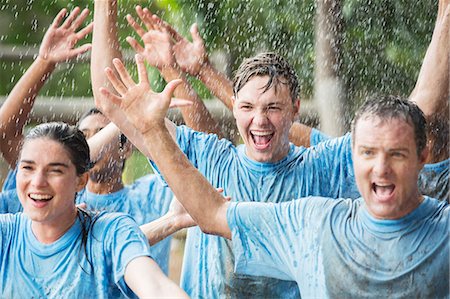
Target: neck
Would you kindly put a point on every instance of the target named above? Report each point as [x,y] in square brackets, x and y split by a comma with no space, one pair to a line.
[48,233]
[106,186]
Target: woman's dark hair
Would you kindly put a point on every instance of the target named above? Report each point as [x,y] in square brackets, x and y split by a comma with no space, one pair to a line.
[76,145]
[70,137]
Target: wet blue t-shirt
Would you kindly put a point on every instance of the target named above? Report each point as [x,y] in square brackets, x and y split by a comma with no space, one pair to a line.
[145,200]
[433,180]
[208,261]
[31,269]
[336,249]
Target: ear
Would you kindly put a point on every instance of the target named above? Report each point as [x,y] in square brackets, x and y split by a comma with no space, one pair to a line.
[296,107]
[82,181]
[423,157]
[233,100]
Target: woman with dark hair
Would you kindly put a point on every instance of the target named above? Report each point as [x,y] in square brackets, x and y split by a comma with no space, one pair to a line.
[55,249]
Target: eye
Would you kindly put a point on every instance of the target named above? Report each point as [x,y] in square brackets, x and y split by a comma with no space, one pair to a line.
[26,167]
[274,108]
[397,154]
[56,170]
[246,107]
[367,152]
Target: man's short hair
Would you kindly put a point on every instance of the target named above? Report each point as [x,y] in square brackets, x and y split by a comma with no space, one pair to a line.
[267,64]
[388,107]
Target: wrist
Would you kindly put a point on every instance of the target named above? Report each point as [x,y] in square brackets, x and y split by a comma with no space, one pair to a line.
[45,63]
[205,70]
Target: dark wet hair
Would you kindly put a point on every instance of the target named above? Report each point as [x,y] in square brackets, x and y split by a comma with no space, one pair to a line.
[76,145]
[91,111]
[388,107]
[267,64]
[70,137]
[123,139]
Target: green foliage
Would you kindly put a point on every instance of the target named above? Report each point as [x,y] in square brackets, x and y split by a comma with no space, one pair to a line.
[383,42]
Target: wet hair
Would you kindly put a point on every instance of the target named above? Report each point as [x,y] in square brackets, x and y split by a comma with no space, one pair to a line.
[76,145]
[388,107]
[267,64]
[93,111]
[70,137]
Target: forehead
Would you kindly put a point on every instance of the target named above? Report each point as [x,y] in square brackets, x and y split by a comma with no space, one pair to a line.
[44,151]
[253,91]
[93,121]
[376,132]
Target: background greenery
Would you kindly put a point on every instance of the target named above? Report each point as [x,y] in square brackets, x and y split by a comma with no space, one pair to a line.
[383,41]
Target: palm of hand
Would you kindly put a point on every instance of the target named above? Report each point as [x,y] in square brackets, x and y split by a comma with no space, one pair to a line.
[157,49]
[57,44]
[142,103]
[190,57]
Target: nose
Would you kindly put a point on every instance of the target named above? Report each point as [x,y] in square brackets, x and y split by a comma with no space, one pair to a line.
[260,118]
[382,166]
[39,179]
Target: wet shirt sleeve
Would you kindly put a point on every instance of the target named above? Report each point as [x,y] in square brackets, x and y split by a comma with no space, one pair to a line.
[124,242]
[275,240]
[202,150]
[317,137]
[328,169]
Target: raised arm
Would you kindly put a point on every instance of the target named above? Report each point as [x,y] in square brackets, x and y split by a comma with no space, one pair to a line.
[206,206]
[158,51]
[431,92]
[58,45]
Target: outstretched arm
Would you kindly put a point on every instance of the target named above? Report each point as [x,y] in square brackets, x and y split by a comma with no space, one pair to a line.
[58,45]
[158,51]
[175,219]
[144,277]
[146,113]
[431,92]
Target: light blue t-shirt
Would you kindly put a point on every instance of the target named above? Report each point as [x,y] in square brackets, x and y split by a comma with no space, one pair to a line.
[145,200]
[208,261]
[9,202]
[30,269]
[10,180]
[434,179]
[336,249]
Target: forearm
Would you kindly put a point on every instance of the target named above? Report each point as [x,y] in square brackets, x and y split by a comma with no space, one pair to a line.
[217,83]
[15,111]
[206,206]
[161,228]
[196,116]
[300,134]
[105,43]
[431,92]
[106,140]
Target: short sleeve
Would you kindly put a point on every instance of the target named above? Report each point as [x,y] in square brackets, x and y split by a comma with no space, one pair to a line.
[124,242]
[271,239]
[201,149]
[317,137]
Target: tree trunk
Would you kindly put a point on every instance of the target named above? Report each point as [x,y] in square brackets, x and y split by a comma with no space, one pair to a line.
[329,96]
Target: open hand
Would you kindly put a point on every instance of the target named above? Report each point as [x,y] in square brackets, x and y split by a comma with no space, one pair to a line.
[59,42]
[143,108]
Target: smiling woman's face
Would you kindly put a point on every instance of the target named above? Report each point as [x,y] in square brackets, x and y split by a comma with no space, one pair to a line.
[47,182]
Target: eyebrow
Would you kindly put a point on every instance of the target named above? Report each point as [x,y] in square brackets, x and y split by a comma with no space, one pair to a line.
[402,149]
[53,164]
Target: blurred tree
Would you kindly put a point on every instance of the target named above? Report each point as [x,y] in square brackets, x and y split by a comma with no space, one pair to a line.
[383,42]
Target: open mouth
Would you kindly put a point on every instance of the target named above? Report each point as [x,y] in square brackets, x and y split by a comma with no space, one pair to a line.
[383,191]
[261,139]
[40,197]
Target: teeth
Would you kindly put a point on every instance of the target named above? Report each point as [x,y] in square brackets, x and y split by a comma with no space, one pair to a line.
[40,197]
[263,133]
